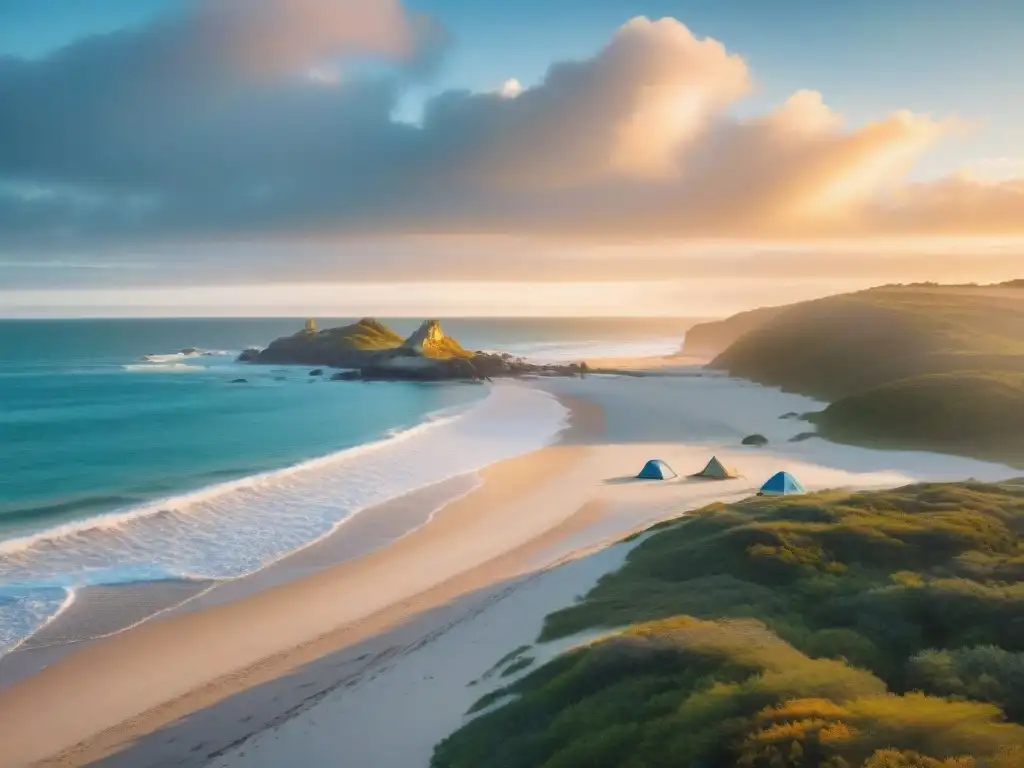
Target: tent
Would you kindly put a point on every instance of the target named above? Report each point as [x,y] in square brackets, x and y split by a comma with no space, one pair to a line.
[781,484]
[656,469]
[715,470]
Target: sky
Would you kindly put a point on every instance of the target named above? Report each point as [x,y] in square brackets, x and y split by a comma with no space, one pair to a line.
[557,157]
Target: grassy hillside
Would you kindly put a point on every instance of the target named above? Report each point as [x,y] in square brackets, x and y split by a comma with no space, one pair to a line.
[978,413]
[714,337]
[846,344]
[366,335]
[926,367]
[842,630]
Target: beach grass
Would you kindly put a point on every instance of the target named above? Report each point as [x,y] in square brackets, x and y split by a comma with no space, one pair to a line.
[838,629]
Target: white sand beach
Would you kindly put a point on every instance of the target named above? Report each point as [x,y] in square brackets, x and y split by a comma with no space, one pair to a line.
[368,662]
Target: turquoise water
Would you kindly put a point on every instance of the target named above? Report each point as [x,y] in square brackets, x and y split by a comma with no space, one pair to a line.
[88,426]
[126,459]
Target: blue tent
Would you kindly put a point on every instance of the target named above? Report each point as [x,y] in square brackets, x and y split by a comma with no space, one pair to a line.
[781,484]
[656,469]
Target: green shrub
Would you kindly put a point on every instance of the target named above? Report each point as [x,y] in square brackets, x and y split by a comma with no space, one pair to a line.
[841,629]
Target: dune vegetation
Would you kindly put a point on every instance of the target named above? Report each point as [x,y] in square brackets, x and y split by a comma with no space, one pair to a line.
[924,366]
[873,630]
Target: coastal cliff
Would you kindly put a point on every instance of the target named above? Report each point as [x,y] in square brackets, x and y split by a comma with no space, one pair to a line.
[370,350]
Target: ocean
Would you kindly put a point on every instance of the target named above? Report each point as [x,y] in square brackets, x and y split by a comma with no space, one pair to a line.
[129,454]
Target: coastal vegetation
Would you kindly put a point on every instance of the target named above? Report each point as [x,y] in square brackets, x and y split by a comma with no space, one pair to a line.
[873,630]
[924,366]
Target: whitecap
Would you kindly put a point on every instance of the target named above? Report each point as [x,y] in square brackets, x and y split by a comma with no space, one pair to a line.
[230,529]
[162,367]
[574,351]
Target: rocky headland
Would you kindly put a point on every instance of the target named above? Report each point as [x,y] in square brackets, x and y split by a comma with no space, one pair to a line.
[369,350]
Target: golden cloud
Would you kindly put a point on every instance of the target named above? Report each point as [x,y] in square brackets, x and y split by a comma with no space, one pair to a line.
[640,141]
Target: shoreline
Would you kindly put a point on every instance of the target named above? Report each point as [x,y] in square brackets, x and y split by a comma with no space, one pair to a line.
[164,592]
[241,661]
[102,611]
[71,680]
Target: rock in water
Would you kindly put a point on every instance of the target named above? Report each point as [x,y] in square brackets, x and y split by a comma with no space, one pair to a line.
[375,352]
[250,355]
[755,440]
[239,381]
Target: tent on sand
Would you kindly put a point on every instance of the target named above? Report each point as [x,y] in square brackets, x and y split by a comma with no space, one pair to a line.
[716,470]
[656,469]
[781,484]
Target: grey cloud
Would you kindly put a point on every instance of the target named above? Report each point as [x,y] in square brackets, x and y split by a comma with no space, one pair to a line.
[195,128]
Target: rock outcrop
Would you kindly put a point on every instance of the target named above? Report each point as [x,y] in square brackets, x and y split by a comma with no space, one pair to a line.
[431,342]
[372,351]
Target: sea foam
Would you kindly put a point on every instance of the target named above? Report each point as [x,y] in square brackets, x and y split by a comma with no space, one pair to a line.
[230,529]
[164,366]
[575,351]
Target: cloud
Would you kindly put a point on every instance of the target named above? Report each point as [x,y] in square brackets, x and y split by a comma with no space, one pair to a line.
[955,205]
[272,37]
[511,88]
[229,120]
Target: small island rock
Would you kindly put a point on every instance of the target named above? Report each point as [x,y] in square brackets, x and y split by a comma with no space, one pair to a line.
[755,439]
[250,355]
[373,352]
